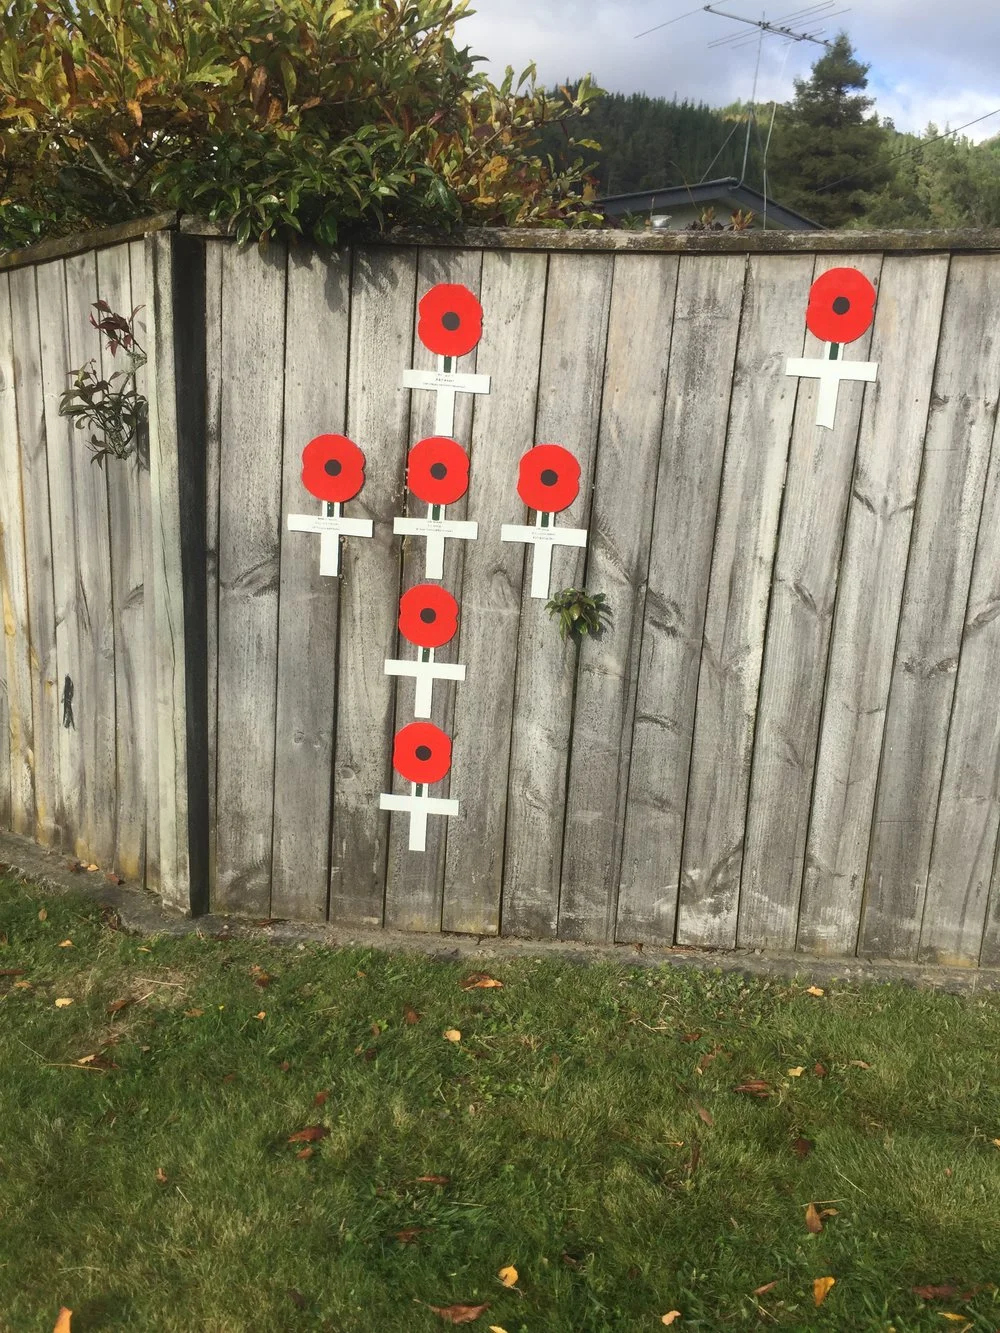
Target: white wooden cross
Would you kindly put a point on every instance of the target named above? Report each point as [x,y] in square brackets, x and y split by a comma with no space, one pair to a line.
[543,536]
[435,530]
[331,524]
[446,383]
[830,371]
[426,671]
[419,807]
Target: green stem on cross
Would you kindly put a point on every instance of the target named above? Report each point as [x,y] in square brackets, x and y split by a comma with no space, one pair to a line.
[425,654]
[545,520]
[435,511]
[834,351]
[447,364]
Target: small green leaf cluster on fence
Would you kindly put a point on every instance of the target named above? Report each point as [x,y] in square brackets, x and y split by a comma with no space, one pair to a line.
[113,408]
[580,612]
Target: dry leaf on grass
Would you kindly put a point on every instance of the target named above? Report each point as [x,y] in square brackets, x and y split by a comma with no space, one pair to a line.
[768,1286]
[410,1015]
[821,1288]
[704,1115]
[861,1064]
[193,1013]
[161,1175]
[311,1134]
[62,1323]
[797,1072]
[813,1222]
[670,1316]
[480,981]
[304,1153]
[433,1180]
[453,1034]
[409,1234]
[12,971]
[815,990]
[690,1036]
[459,1314]
[802,1148]
[23,985]
[62,1003]
[261,1015]
[508,1275]
[65,944]
[320,1098]
[42,915]
[955,1318]
[495,1328]
[754,1087]
[116,1006]
[819,1070]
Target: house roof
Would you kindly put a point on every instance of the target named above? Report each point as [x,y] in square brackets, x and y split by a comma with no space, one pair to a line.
[728,190]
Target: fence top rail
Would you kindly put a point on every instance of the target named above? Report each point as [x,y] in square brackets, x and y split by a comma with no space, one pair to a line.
[598,240]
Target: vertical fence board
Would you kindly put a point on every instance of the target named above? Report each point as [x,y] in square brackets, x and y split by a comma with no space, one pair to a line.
[94,689]
[114,284]
[382,324]
[14,591]
[38,553]
[61,441]
[817,492]
[635,375]
[935,596]
[316,357]
[513,299]
[968,815]
[574,338]
[873,565]
[5,812]
[772,328]
[699,385]
[415,880]
[151,866]
[214,250]
[252,370]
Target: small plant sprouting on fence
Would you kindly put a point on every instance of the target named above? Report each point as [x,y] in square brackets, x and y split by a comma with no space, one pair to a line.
[114,408]
[579,612]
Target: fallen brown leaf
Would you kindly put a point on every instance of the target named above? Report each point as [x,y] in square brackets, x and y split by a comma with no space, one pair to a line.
[410,1015]
[508,1275]
[409,1234]
[861,1064]
[819,1070]
[261,1016]
[297,1298]
[42,915]
[62,1323]
[65,944]
[815,990]
[692,1165]
[705,1060]
[116,1006]
[26,985]
[112,878]
[690,1036]
[260,977]
[193,1013]
[755,1087]
[311,1134]
[161,1175]
[459,1314]
[813,1221]
[12,971]
[62,1003]
[93,866]
[320,1098]
[797,1072]
[434,1180]
[939,1292]
[670,1316]
[569,1261]
[453,1034]
[704,1115]
[304,1152]
[479,981]
[821,1288]
[768,1286]
[86,1059]
[802,1148]
[955,1318]
[228,1078]
[284,1066]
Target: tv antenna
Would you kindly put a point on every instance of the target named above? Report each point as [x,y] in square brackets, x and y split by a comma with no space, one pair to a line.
[807,16]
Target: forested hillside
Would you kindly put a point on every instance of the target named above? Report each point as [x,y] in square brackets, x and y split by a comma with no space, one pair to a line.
[829,155]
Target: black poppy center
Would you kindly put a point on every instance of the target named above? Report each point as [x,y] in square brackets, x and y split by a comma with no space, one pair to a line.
[439,471]
[423,752]
[549,477]
[841,305]
[428,615]
[333,467]
[451,320]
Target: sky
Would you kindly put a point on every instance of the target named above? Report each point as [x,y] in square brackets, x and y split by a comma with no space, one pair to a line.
[930,61]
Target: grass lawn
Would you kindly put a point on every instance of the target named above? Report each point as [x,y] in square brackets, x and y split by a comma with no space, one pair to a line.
[586,1130]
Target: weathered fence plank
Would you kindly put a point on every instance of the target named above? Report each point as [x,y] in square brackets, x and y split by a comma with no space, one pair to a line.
[114,284]
[14,613]
[38,554]
[574,339]
[873,565]
[414,889]
[151,867]
[61,441]
[635,376]
[699,385]
[213,487]
[253,366]
[804,589]
[503,429]
[772,328]
[382,324]
[316,355]
[935,596]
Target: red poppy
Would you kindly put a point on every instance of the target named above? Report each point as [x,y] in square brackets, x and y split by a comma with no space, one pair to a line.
[549,478]
[428,615]
[451,320]
[421,752]
[841,305]
[437,470]
[333,468]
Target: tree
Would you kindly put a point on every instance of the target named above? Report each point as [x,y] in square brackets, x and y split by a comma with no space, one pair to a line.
[829,152]
[279,116]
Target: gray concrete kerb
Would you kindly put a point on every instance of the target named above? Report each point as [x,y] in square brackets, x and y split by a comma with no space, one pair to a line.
[143,913]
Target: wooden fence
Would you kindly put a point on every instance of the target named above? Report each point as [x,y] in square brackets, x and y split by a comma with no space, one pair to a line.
[789,737]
